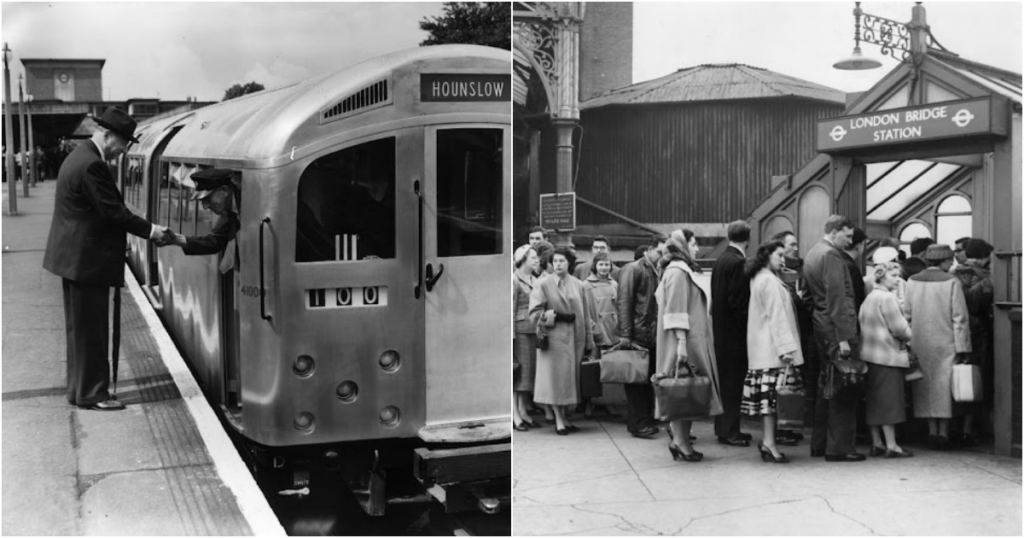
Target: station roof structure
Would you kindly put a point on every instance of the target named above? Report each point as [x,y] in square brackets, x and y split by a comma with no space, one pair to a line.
[716,82]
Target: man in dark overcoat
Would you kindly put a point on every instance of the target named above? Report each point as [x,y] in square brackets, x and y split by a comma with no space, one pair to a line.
[835,331]
[730,297]
[86,248]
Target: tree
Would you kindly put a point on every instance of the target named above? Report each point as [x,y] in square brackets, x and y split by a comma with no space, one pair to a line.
[487,23]
[239,90]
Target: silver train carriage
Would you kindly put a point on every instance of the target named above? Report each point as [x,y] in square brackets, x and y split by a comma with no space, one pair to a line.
[370,298]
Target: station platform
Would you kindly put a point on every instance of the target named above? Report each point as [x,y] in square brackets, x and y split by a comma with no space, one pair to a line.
[602,481]
[163,466]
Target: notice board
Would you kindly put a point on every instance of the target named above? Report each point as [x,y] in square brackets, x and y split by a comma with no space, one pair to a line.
[558,211]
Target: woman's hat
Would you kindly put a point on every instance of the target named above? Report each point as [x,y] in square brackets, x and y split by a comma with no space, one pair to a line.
[210,180]
[938,252]
[118,121]
[884,255]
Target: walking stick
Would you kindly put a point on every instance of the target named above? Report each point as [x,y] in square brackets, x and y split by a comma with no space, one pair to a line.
[116,343]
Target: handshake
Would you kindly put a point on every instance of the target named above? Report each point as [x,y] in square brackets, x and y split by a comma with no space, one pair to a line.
[163,236]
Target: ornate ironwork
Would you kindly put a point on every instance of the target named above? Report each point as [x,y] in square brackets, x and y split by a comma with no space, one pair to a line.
[538,39]
[893,37]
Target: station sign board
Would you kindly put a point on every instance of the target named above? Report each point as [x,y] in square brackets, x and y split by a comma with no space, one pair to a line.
[936,121]
[459,87]
[558,211]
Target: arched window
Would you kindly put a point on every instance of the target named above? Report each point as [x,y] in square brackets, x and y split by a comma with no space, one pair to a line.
[815,207]
[953,220]
[912,231]
[776,224]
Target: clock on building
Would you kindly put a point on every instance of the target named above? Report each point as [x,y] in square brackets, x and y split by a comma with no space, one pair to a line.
[63,77]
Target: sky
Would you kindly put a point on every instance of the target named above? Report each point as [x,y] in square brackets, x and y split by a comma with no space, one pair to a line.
[803,40]
[176,50]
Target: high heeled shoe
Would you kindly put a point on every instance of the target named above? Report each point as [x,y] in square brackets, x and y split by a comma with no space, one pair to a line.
[678,454]
[767,455]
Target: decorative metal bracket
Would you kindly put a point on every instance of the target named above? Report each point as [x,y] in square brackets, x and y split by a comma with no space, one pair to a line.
[893,37]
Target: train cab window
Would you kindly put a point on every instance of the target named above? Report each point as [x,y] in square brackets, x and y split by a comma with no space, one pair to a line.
[164,180]
[346,205]
[469,192]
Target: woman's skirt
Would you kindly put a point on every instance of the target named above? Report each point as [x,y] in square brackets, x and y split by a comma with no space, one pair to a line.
[884,398]
[760,389]
[524,350]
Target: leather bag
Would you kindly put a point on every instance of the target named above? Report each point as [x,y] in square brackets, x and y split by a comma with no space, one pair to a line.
[966,383]
[590,380]
[914,372]
[789,403]
[628,366]
[844,378]
[686,396]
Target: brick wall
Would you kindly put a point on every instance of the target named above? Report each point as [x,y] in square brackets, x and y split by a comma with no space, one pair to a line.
[88,84]
[39,82]
[606,48]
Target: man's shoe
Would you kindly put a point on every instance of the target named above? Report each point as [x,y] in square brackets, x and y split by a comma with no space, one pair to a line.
[817,452]
[733,441]
[745,436]
[852,456]
[645,432]
[790,434]
[109,405]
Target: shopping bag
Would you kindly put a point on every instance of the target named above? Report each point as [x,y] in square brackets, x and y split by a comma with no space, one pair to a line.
[627,366]
[967,383]
[679,397]
[789,402]
[590,379]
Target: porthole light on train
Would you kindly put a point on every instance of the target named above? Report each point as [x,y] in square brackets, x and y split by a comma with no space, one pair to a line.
[305,422]
[389,360]
[304,366]
[348,391]
[390,416]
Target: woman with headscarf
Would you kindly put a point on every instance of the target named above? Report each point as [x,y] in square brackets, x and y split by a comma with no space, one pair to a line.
[602,291]
[525,340]
[559,303]
[773,343]
[684,333]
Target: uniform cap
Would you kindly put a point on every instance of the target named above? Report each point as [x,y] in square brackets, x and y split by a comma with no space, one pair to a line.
[209,180]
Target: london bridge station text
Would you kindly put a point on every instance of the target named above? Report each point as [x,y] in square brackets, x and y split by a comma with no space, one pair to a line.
[898,125]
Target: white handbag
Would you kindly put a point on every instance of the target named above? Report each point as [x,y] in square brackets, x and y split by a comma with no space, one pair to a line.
[967,383]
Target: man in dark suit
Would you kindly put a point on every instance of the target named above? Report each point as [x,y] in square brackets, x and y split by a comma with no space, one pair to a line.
[835,331]
[915,264]
[216,191]
[730,297]
[86,248]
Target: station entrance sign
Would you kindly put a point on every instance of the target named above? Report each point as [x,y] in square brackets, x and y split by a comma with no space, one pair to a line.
[558,211]
[455,87]
[936,121]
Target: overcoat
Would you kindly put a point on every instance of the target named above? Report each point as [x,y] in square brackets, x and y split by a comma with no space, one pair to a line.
[558,367]
[883,327]
[937,312]
[772,327]
[683,305]
[87,236]
[730,298]
[831,287]
[601,296]
[524,342]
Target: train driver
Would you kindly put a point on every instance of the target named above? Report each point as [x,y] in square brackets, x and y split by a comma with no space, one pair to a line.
[218,190]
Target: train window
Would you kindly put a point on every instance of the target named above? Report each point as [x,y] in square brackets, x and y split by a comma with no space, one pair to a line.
[165,195]
[188,212]
[346,205]
[469,192]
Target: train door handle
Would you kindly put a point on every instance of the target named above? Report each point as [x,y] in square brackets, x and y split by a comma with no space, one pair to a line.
[431,277]
[263,289]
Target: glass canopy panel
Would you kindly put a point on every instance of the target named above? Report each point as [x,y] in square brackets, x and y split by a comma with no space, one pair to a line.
[950,228]
[899,99]
[892,181]
[913,192]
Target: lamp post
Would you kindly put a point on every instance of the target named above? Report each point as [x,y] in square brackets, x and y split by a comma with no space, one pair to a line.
[31,143]
[907,43]
[23,138]
[12,191]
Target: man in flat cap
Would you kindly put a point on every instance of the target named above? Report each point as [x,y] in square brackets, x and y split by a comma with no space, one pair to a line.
[216,190]
[86,248]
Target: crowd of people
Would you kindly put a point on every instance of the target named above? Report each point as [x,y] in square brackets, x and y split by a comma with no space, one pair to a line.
[773,322]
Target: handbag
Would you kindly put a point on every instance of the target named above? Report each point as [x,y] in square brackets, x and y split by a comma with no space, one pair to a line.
[966,383]
[789,402]
[914,372]
[628,366]
[590,380]
[843,378]
[679,397]
[542,337]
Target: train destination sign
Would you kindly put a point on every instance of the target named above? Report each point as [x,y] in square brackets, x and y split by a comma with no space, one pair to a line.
[935,121]
[558,211]
[450,87]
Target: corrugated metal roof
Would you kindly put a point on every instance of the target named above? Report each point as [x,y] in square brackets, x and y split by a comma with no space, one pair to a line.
[716,82]
[996,80]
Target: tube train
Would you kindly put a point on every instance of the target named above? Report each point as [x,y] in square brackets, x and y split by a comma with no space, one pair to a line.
[358,331]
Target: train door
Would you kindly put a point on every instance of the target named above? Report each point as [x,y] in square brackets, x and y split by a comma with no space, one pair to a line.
[466,273]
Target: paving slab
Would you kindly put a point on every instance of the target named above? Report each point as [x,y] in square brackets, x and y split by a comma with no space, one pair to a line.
[112,506]
[110,446]
[44,501]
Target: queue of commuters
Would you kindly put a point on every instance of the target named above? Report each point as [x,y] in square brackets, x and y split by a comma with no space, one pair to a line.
[800,320]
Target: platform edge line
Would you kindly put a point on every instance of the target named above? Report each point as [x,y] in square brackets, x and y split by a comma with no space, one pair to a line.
[225,459]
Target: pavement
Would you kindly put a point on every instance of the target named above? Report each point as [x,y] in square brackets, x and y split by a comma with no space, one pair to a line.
[163,466]
[602,481]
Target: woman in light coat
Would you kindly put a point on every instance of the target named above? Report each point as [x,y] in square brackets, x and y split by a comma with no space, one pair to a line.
[684,333]
[884,333]
[559,304]
[525,340]
[773,343]
[602,292]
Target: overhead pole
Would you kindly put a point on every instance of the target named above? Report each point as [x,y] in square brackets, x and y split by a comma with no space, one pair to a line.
[32,144]
[12,190]
[23,138]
